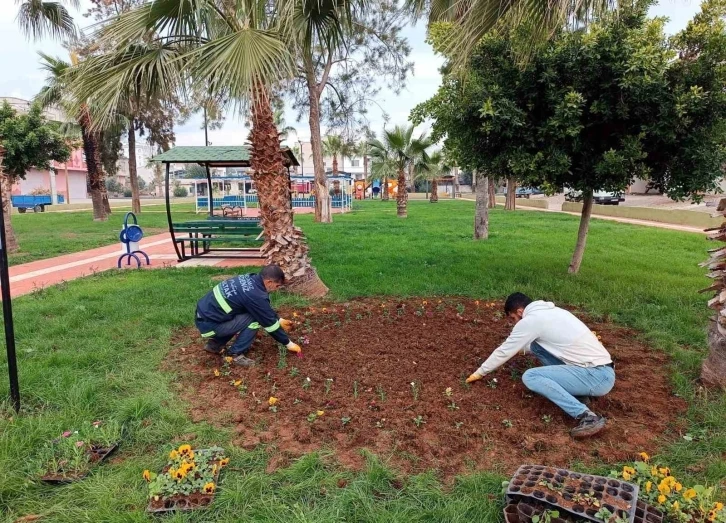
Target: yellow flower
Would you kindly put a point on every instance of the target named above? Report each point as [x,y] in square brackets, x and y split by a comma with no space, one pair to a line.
[216,372]
[184,450]
[173,454]
[320,412]
[214,469]
[476,302]
[654,471]
[679,487]
[191,454]
[626,476]
[325,309]
[223,462]
[648,486]
[661,498]
[690,494]
[179,474]
[676,505]
[209,488]
[237,383]
[629,470]
[425,302]
[228,359]
[146,475]
[663,488]
[644,456]
[273,400]
[664,470]
[294,315]
[718,507]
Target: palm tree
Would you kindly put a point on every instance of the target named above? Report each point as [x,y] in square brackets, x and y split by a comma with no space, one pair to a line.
[382,168]
[431,168]
[332,147]
[240,53]
[404,151]
[38,18]
[56,93]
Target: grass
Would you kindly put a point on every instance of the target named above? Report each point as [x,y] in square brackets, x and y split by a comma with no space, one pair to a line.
[45,235]
[92,349]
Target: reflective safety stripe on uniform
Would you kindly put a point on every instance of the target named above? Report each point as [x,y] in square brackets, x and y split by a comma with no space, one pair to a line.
[254,325]
[208,334]
[220,300]
[273,327]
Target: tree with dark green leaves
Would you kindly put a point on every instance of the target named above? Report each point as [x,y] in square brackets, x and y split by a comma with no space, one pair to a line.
[29,141]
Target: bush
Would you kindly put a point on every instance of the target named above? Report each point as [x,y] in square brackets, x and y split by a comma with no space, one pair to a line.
[180,192]
[127,193]
[40,191]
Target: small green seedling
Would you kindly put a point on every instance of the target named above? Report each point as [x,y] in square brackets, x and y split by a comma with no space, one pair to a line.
[418,420]
[381,393]
[328,385]
[603,514]
[282,356]
[547,419]
[460,308]
[345,420]
[296,401]
[415,389]
[546,517]
[492,383]
[294,372]
[355,389]
[457,426]
[306,383]
[507,423]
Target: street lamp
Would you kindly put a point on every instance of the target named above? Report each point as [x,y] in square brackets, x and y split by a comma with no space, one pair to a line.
[7,304]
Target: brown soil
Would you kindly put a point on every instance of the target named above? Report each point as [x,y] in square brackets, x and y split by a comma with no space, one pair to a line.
[381,348]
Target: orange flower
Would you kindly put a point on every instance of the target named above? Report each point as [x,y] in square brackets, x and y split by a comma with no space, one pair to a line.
[325,309]
[146,475]
[223,462]
[209,488]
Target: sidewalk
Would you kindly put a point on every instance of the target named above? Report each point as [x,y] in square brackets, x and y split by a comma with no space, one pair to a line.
[28,277]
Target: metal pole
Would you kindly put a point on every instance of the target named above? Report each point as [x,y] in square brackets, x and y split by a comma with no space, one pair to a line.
[7,305]
[302,157]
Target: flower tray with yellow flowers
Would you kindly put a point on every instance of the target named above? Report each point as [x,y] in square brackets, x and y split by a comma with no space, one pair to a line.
[586,496]
[188,481]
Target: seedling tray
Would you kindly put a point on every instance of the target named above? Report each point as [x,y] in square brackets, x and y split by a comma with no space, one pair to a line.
[644,513]
[510,513]
[181,502]
[97,455]
[582,495]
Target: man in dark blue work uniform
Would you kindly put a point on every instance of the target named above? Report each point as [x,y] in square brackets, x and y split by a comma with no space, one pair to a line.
[242,305]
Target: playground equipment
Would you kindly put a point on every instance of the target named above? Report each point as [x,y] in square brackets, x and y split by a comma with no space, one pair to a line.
[130,237]
[360,189]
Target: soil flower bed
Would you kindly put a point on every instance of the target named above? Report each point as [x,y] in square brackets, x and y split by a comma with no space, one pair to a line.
[73,454]
[188,481]
[389,376]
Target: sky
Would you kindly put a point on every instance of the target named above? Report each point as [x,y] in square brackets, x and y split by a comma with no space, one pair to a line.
[23,78]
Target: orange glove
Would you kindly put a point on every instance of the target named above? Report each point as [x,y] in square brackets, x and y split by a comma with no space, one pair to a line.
[474,377]
[294,347]
[287,325]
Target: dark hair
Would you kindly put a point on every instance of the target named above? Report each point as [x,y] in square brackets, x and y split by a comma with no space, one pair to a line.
[272,272]
[516,301]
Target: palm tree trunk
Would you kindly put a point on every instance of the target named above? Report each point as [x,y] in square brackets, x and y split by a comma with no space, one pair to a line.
[95,182]
[511,199]
[11,240]
[335,165]
[434,191]
[384,190]
[133,174]
[323,212]
[581,234]
[713,371]
[402,196]
[481,211]
[285,244]
[492,194]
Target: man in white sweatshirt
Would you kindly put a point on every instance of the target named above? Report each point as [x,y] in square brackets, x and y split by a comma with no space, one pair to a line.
[574,362]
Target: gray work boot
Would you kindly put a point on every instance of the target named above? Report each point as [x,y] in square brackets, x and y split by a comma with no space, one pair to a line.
[213,346]
[244,361]
[590,424]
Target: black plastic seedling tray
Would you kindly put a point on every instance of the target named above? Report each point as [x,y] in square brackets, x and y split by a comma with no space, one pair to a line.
[582,495]
[98,454]
[644,513]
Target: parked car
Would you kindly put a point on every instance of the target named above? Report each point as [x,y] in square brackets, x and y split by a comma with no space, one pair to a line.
[35,202]
[526,192]
[599,197]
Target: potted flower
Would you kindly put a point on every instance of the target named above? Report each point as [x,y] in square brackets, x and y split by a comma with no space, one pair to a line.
[188,480]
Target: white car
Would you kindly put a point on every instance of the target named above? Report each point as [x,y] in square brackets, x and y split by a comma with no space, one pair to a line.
[600,197]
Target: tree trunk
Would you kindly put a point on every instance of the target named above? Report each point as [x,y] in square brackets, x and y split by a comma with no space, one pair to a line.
[133,175]
[713,371]
[402,196]
[434,191]
[492,193]
[511,200]
[10,239]
[384,190]
[284,243]
[95,182]
[323,212]
[581,234]
[335,165]
[457,189]
[481,210]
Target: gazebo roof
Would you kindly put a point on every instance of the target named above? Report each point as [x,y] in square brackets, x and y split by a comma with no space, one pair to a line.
[217,156]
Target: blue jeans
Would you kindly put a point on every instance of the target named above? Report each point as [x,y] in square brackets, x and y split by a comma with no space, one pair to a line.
[223,332]
[560,383]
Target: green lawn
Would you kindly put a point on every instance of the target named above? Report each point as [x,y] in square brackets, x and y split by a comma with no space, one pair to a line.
[48,234]
[91,349]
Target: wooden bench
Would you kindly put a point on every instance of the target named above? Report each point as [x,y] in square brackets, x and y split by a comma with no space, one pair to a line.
[246,232]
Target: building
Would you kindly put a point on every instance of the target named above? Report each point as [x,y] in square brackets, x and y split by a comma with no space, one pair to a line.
[350,164]
[66,179]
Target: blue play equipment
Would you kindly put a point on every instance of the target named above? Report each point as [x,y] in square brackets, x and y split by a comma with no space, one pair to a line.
[130,237]
[35,202]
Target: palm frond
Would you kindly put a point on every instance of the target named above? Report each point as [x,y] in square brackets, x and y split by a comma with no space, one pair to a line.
[38,18]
